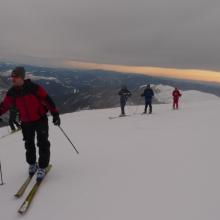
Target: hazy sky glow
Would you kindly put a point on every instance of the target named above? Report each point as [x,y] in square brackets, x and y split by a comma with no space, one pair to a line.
[189,74]
[162,33]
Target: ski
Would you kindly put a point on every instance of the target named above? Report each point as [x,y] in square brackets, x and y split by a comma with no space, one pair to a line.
[25,205]
[114,117]
[142,113]
[11,133]
[24,186]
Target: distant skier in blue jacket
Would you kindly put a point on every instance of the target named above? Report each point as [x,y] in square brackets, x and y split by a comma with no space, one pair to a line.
[148,94]
[124,93]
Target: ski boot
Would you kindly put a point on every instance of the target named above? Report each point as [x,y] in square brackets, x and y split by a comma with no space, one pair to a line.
[32,169]
[40,174]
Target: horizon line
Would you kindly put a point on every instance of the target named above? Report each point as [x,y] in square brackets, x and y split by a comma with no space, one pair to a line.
[176,73]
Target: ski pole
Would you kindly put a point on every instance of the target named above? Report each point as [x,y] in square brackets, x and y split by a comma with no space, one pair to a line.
[138,100]
[2,183]
[137,106]
[68,139]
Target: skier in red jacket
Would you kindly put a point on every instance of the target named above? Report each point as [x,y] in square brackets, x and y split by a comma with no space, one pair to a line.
[32,103]
[176,95]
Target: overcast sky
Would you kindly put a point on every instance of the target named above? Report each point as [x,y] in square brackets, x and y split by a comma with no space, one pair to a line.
[162,33]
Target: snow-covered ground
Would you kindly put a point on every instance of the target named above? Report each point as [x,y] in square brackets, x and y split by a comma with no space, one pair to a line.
[163,94]
[164,166]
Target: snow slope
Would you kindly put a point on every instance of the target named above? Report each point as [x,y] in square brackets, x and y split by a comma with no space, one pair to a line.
[163,166]
[163,94]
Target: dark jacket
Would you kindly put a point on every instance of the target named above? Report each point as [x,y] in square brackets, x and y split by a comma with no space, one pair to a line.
[31,100]
[124,93]
[148,94]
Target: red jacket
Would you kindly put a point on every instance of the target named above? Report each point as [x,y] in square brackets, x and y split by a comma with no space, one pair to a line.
[176,94]
[31,100]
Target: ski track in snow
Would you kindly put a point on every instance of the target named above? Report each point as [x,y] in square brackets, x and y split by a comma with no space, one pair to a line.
[160,166]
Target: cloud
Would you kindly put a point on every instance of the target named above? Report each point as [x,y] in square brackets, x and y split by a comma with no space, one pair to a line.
[169,33]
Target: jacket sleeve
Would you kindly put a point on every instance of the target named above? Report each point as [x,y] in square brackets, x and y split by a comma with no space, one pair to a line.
[5,104]
[120,92]
[46,100]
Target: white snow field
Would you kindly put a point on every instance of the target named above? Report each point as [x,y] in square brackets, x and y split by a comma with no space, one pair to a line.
[164,166]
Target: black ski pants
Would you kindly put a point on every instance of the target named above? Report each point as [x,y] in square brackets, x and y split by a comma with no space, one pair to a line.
[148,103]
[123,108]
[39,128]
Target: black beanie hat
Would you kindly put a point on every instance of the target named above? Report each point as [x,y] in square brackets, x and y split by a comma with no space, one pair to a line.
[19,71]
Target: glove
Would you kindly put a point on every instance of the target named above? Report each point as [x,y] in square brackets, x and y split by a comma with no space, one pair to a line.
[1,120]
[56,119]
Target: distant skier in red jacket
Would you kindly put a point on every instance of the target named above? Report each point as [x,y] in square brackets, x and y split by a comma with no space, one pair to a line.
[32,103]
[176,95]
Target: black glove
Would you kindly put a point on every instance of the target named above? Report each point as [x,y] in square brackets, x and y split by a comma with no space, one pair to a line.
[1,120]
[56,119]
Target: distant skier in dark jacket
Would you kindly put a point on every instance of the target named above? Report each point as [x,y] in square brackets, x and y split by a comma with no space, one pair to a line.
[176,95]
[148,94]
[124,93]
[13,117]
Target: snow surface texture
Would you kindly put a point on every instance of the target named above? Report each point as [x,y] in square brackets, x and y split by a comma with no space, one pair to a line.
[164,166]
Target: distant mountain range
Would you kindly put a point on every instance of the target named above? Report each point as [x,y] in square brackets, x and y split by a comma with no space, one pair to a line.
[74,90]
